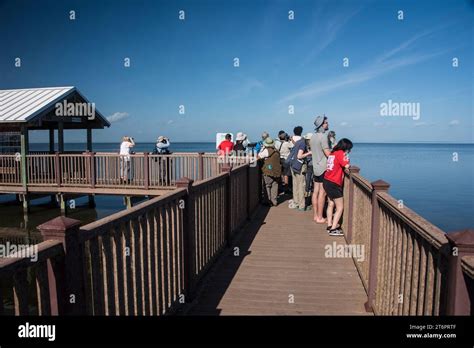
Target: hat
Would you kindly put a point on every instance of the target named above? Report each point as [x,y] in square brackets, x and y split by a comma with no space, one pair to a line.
[265,135]
[308,136]
[318,122]
[268,142]
[240,136]
[160,138]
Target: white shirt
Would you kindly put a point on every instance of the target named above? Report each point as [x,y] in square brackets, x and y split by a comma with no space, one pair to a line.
[263,153]
[125,148]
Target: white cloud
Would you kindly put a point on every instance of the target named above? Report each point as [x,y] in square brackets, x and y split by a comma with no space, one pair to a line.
[382,124]
[117,116]
[170,122]
[422,124]
[454,123]
[344,124]
[382,64]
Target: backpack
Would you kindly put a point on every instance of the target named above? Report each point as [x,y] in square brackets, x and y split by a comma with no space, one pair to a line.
[292,161]
[271,164]
[239,147]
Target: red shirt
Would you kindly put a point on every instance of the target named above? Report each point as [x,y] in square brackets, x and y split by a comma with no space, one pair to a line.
[225,147]
[335,167]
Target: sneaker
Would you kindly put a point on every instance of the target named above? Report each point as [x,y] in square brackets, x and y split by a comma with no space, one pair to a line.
[336,232]
[301,209]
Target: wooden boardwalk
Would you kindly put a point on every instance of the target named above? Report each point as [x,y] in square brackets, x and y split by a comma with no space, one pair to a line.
[282,260]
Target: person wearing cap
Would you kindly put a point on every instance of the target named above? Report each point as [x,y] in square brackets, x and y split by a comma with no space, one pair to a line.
[321,150]
[162,145]
[259,145]
[271,170]
[240,144]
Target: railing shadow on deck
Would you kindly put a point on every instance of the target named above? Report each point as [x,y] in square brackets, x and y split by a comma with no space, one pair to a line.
[231,260]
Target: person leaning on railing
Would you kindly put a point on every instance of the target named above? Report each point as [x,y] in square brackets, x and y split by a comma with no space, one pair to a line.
[337,161]
[125,149]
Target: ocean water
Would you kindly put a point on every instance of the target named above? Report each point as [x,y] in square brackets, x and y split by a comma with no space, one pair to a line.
[434,180]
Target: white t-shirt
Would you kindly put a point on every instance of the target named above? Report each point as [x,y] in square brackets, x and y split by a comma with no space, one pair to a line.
[125,148]
[263,153]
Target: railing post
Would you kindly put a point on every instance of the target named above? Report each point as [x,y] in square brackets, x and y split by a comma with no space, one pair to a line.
[459,299]
[57,168]
[92,169]
[70,300]
[189,248]
[377,186]
[201,166]
[146,176]
[227,168]
[350,214]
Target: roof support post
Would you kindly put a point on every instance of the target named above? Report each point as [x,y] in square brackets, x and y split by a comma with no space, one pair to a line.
[51,140]
[24,151]
[60,137]
[89,139]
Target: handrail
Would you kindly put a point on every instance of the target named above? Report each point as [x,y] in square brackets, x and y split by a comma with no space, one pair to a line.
[467,263]
[432,234]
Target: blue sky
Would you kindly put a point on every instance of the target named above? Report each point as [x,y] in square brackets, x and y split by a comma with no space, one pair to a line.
[282,62]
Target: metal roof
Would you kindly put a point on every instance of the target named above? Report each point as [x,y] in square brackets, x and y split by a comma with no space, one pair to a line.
[22,105]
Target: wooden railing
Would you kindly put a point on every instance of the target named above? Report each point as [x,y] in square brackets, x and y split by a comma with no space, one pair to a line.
[146,260]
[404,268]
[10,170]
[110,170]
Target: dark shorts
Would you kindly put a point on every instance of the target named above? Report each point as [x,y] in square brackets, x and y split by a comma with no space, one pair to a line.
[332,190]
[319,178]
[285,170]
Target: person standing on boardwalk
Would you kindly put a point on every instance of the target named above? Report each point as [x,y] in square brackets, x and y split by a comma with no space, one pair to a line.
[331,139]
[321,150]
[309,173]
[240,144]
[125,149]
[226,146]
[271,170]
[296,160]
[259,145]
[284,146]
[333,178]
[162,146]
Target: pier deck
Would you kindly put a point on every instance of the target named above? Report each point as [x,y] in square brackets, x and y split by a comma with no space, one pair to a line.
[282,260]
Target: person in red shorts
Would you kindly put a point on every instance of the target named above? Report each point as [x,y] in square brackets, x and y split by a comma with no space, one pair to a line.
[226,146]
[332,183]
